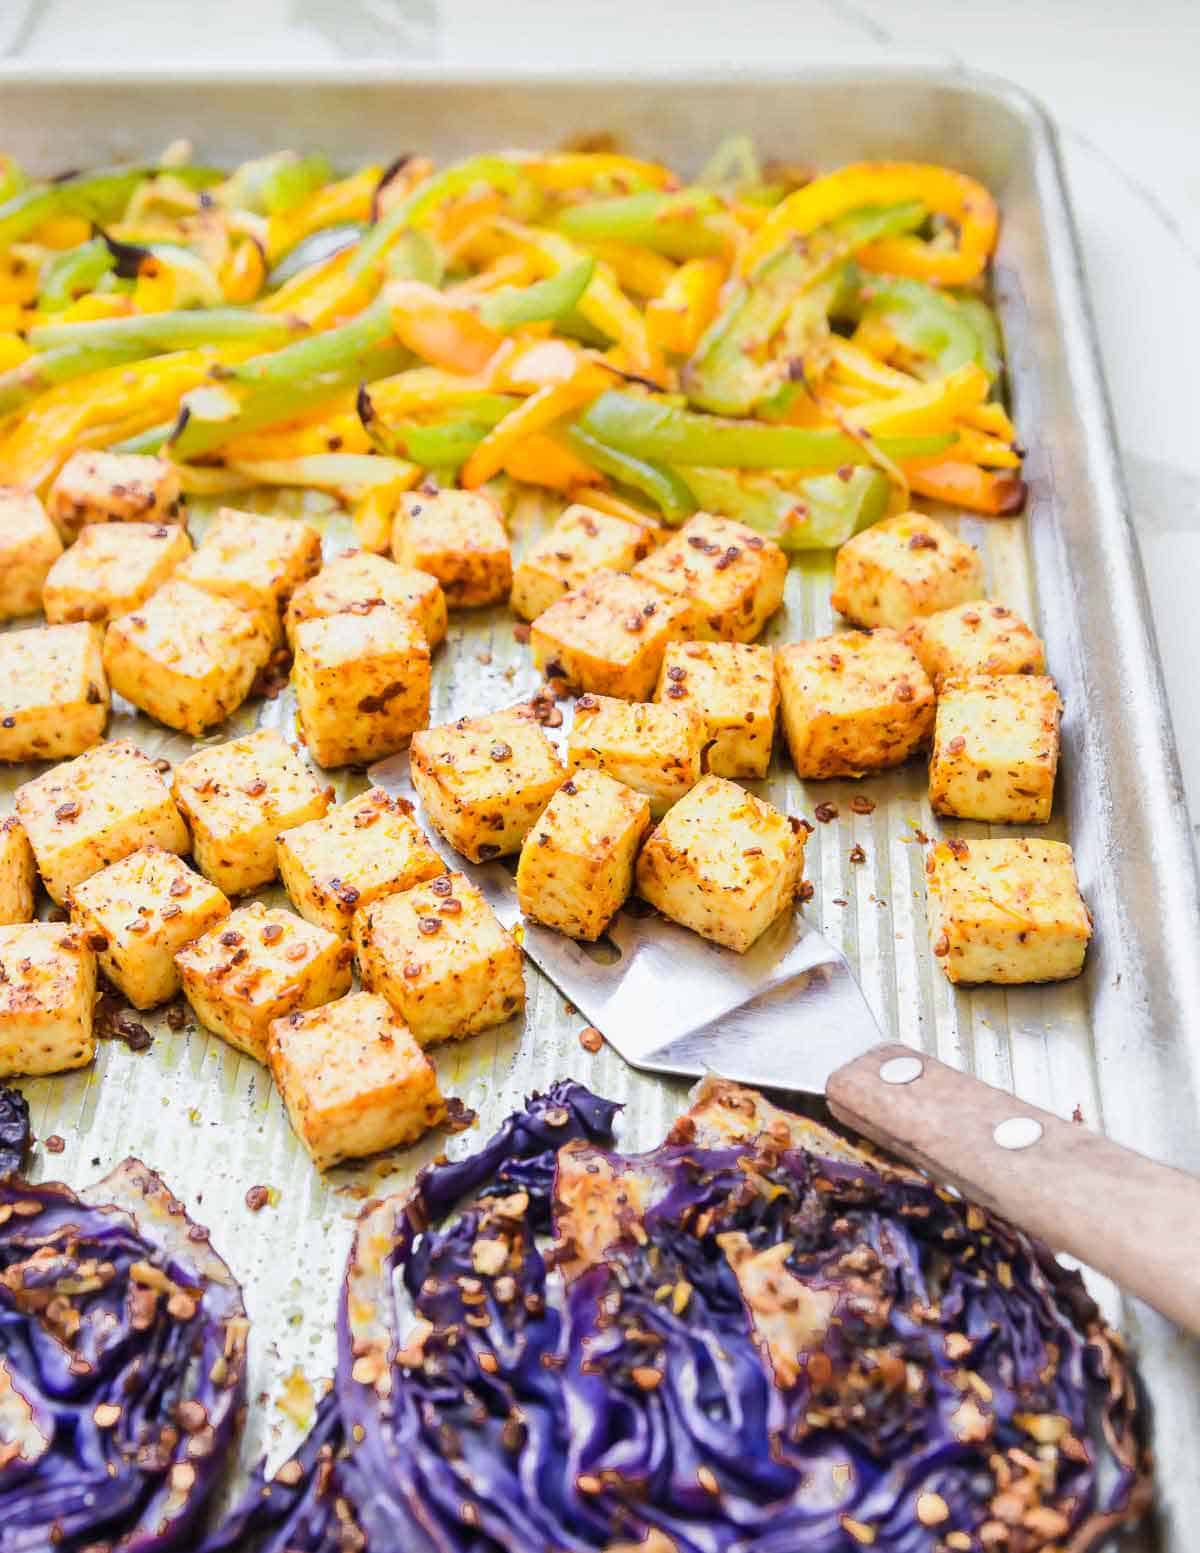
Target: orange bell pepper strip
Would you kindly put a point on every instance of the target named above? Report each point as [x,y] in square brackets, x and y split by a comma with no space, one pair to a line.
[374,514]
[997,495]
[677,319]
[568,170]
[640,270]
[539,460]
[943,191]
[930,407]
[438,330]
[540,410]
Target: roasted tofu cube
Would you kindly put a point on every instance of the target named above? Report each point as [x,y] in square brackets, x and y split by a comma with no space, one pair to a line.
[440,957]
[138,913]
[576,867]
[978,637]
[237,798]
[608,635]
[732,685]
[258,965]
[581,542]
[995,748]
[93,811]
[255,561]
[353,1079]
[360,852]
[53,692]
[29,547]
[47,989]
[186,657]
[95,487]
[730,578]
[723,863]
[853,703]
[361,683]
[18,873]
[483,781]
[111,569]
[1006,911]
[358,582]
[654,747]
[903,568]
[458,537]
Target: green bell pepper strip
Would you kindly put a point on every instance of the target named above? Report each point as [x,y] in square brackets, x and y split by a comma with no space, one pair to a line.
[648,429]
[984,322]
[101,196]
[814,512]
[937,330]
[685,225]
[67,276]
[152,440]
[445,446]
[545,301]
[316,354]
[733,164]
[36,374]
[315,249]
[269,185]
[666,489]
[446,442]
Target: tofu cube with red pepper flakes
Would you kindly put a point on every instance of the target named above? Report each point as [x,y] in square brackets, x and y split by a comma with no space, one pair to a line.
[654,748]
[53,692]
[1006,911]
[441,958]
[853,703]
[458,537]
[361,683]
[978,637]
[358,582]
[576,867]
[732,685]
[18,872]
[360,852]
[255,561]
[353,1079]
[186,657]
[96,487]
[902,568]
[111,569]
[260,964]
[29,547]
[91,812]
[579,543]
[730,578]
[723,863]
[995,748]
[138,913]
[483,781]
[237,798]
[47,989]
[608,635]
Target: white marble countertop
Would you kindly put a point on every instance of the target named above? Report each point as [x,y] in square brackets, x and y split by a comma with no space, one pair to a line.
[1121,84]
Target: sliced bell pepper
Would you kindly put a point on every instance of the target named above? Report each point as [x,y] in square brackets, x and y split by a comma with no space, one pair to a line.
[243,273]
[315,249]
[639,270]
[544,301]
[871,378]
[543,460]
[967,485]
[96,196]
[534,415]
[69,275]
[930,407]
[678,317]
[690,224]
[669,493]
[343,473]
[423,389]
[437,329]
[566,170]
[936,333]
[812,512]
[348,200]
[373,515]
[442,444]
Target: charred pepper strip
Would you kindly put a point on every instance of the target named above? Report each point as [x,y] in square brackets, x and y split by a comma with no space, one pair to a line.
[816,512]
[99,196]
[546,301]
[686,225]
[667,490]
[938,333]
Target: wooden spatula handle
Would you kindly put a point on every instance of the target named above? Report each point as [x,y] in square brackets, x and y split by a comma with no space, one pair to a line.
[1134,1220]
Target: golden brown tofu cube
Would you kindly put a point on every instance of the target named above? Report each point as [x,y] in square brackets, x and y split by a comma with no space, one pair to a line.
[1006,911]
[483,781]
[29,547]
[256,966]
[96,487]
[904,567]
[360,852]
[93,811]
[995,748]
[362,685]
[608,635]
[53,692]
[654,748]
[254,561]
[47,988]
[581,542]
[458,537]
[723,863]
[111,569]
[576,867]
[440,957]
[732,685]
[237,798]
[358,582]
[353,1079]
[730,578]
[186,657]
[852,703]
[975,638]
[138,913]
[18,874]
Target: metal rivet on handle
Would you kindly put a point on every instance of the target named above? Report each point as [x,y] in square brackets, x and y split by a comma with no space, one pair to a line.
[901,1070]
[1017,1132]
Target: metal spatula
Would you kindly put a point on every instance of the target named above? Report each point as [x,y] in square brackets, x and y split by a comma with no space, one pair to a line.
[789,1015]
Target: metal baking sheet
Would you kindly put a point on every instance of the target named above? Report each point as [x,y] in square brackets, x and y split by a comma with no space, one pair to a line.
[1120,1047]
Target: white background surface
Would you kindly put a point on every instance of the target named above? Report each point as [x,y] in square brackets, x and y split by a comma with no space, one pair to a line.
[1121,80]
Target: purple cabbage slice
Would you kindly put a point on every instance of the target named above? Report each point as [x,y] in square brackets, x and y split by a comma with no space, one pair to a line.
[14,1130]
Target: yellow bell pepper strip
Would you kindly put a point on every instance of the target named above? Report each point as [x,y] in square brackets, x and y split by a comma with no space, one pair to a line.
[423,390]
[437,329]
[942,191]
[535,414]
[525,366]
[13,351]
[618,507]
[375,511]
[677,318]
[567,170]
[873,379]
[98,196]
[810,512]
[543,302]
[328,429]
[690,224]
[348,202]
[967,485]
[315,249]
[242,274]
[640,270]
[935,333]
[343,473]
[929,407]
[541,460]
[510,269]
[669,493]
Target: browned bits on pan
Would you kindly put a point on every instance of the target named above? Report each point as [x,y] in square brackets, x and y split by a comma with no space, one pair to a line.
[959,849]
[177,1016]
[521,632]
[67,811]
[857,855]
[861,804]
[590,1039]
[257,1198]
[807,890]
[272,933]
[54,1144]
[826,812]
[488,851]
[501,752]
[922,542]
[430,925]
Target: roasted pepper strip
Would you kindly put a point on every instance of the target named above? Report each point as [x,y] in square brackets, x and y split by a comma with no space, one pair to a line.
[437,329]
[936,333]
[690,224]
[542,460]
[813,512]
[68,276]
[568,170]
[669,493]
[539,411]
[543,302]
[97,196]
[645,273]
[930,407]
[337,204]
[688,304]
[967,485]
